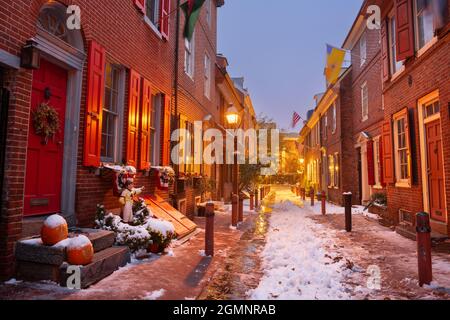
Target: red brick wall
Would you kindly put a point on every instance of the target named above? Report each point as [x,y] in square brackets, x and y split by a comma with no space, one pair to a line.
[128,41]
[422,76]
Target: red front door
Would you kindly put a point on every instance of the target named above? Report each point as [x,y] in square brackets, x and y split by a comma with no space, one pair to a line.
[44,161]
[435,171]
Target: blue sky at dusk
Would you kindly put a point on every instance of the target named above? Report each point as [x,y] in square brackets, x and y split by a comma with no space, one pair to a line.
[280,46]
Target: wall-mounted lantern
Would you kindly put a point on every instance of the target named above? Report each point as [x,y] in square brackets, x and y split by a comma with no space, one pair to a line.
[30,56]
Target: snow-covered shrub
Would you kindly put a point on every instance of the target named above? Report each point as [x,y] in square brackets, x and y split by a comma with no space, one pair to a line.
[161,232]
[141,233]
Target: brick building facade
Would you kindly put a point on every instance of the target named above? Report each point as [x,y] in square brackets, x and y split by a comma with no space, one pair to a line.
[112,83]
[399,95]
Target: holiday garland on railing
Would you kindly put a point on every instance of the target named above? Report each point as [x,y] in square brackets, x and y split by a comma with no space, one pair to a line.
[46,122]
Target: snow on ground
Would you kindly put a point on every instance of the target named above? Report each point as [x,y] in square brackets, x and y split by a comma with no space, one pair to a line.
[155,295]
[334,209]
[296,265]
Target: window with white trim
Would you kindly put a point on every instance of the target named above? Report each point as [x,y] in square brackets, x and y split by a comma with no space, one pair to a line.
[334,121]
[207,68]
[376,161]
[152,12]
[333,170]
[365,102]
[156,130]
[395,66]
[363,49]
[401,149]
[189,56]
[112,114]
[423,14]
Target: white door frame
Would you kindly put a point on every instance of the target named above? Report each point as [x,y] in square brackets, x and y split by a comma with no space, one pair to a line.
[72,59]
[423,148]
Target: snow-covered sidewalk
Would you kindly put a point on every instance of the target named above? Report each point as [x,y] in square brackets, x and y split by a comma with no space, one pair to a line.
[295,262]
[308,256]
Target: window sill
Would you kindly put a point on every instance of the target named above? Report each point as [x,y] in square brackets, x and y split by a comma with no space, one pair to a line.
[426,47]
[153,27]
[398,73]
[189,76]
[377,187]
[365,119]
[403,184]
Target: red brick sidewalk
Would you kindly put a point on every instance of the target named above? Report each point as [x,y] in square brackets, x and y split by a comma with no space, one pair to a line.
[180,276]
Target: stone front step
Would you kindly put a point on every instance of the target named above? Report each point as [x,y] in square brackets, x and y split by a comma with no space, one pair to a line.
[32,250]
[104,264]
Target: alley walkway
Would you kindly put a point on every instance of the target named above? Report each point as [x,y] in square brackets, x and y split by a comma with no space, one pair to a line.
[179,275]
[309,256]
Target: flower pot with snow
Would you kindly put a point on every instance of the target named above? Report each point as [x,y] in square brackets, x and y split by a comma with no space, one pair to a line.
[54,230]
[155,248]
[80,251]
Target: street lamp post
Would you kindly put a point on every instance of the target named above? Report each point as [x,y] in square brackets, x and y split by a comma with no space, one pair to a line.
[232,117]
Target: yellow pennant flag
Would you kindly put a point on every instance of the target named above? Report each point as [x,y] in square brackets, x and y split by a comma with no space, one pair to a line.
[335,60]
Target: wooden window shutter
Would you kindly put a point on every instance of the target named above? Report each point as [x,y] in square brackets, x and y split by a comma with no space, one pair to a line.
[166,132]
[164,18]
[388,156]
[133,118]
[140,4]
[405,29]
[182,125]
[381,162]
[145,121]
[385,51]
[370,163]
[94,104]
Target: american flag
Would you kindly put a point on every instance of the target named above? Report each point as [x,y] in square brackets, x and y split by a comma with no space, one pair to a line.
[295,119]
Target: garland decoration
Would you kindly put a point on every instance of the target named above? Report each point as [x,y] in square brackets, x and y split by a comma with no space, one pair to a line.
[46,122]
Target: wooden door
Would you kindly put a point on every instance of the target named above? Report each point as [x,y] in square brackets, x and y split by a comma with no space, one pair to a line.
[44,160]
[435,171]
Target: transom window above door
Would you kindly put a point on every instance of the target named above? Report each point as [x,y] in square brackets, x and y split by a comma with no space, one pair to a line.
[431,108]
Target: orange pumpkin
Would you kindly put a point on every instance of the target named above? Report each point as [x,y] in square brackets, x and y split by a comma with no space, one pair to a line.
[80,251]
[54,230]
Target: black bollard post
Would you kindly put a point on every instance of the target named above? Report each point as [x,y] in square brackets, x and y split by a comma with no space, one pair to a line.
[348,211]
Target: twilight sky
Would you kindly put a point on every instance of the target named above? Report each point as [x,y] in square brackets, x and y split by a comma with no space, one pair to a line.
[279,47]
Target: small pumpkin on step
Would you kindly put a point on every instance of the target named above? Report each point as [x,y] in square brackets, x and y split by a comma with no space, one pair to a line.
[80,251]
[54,230]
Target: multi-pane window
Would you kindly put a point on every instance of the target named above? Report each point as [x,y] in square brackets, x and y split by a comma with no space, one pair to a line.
[365,102]
[394,64]
[207,88]
[424,22]
[363,49]
[333,124]
[152,12]
[376,161]
[402,149]
[155,130]
[431,109]
[111,115]
[336,170]
[333,170]
[189,58]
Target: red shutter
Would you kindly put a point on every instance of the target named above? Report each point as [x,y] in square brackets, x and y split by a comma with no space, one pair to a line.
[370,163]
[381,162]
[385,51]
[140,4]
[146,113]
[388,156]
[405,29]
[164,18]
[94,104]
[166,132]
[133,118]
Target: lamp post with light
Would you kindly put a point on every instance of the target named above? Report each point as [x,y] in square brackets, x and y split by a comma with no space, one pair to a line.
[232,117]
